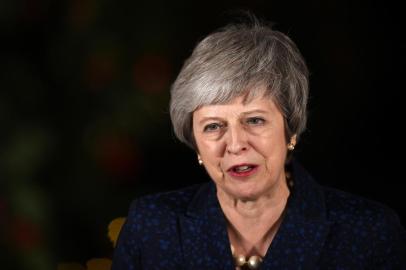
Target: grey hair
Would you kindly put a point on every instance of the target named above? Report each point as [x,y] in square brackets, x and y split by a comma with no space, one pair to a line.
[241,60]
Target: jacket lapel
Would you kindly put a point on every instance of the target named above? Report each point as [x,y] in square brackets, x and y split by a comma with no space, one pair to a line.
[203,233]
[300,239]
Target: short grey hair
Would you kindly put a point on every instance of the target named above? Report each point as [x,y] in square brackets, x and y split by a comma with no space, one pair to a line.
[241,59]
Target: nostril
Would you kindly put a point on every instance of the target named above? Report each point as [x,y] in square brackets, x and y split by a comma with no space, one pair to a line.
[236,149]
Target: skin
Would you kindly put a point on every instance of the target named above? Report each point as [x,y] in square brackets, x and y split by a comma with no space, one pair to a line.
[246,133]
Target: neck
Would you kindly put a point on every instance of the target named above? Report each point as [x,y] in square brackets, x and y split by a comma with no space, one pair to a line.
[270,203]
[252,224]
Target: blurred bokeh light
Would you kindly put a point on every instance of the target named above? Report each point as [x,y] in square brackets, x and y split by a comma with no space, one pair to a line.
[84,91]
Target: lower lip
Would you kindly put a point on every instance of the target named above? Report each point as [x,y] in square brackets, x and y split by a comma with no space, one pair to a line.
[243,174]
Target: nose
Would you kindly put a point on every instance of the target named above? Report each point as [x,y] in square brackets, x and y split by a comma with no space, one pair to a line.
[237,141]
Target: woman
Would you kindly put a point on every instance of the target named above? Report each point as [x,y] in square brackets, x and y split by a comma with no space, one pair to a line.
[240,103]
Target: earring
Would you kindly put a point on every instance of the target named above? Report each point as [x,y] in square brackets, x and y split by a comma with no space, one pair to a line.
[291,145]
[199,160]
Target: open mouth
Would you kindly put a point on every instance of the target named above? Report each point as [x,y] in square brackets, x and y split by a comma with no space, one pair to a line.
[242,169]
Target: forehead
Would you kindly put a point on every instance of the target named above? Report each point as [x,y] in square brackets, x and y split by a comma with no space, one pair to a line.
[238,106]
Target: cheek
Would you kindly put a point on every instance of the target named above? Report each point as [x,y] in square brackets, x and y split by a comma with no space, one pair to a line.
[210,150]
[270,148]
[211,156]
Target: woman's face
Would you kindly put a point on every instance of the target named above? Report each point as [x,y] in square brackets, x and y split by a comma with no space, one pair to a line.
[242,146]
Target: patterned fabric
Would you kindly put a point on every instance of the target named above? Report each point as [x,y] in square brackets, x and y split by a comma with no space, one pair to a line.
[322,229]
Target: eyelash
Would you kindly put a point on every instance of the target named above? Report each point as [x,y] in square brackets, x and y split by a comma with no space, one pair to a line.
[256,121]
[212,127]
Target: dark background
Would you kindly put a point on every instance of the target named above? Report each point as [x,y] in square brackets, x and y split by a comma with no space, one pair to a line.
[84,88]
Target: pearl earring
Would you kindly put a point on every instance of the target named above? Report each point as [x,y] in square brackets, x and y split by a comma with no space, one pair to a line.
[199,160]
[291,145]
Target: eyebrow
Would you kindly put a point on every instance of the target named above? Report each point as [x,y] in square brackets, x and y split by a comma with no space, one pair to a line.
[220,119]
[254,111]
[210,118]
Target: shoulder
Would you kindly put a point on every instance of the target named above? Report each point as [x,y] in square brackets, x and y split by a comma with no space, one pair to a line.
[151,231]
[153,218]
[160,207]
[344,207]
[340,207]
[368,227]
[176,201]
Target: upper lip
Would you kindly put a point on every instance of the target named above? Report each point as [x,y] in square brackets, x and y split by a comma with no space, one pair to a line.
[241,164]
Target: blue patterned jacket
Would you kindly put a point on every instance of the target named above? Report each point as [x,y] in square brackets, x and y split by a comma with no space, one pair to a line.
[322,229]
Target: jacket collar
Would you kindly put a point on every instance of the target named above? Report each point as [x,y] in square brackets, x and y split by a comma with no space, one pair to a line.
[204,232]
[301,236]
[298,241]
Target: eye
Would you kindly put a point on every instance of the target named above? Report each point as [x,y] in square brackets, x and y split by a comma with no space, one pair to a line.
[212,127]
[255,121]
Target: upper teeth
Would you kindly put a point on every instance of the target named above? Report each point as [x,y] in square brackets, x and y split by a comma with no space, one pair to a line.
[242,168]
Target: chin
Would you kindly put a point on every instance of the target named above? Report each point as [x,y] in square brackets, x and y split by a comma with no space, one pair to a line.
[245,194]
